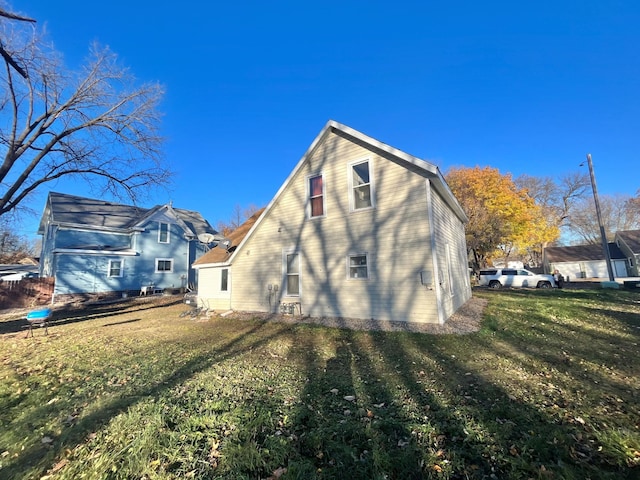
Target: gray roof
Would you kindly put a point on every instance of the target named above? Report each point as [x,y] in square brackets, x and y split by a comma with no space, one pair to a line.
[67,209]
[581,253]
[631,238]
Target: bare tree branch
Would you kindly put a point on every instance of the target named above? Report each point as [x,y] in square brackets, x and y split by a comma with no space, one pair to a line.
[97,124]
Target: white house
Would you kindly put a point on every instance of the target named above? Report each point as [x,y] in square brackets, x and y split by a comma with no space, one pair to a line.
[359,229]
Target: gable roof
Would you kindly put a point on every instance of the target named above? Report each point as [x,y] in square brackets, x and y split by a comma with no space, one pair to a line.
[72,210]
[220,255]
[581,253]
[631,238]
[429,170]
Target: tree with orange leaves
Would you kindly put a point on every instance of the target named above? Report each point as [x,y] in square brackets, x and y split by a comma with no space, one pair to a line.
[503,219]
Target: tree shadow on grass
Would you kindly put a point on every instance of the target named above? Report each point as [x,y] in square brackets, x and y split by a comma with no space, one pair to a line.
[29,462]
[69,314]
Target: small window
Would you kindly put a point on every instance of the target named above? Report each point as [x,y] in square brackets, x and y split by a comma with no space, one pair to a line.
[316,196]
[115,268]
[163,232]
[293,273]
[358,266]
[224,280]
[164,265]
[360,181]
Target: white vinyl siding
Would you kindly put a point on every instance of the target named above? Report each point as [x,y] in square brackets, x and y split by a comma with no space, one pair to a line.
[210,287]
[396,235]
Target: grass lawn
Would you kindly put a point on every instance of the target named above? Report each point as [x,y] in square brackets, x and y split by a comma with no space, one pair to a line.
[549,388]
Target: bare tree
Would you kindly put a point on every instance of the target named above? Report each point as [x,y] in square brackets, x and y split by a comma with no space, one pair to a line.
[95,124]
[557,199]
[618,214]
[239,215]
[6,55]
[13,246]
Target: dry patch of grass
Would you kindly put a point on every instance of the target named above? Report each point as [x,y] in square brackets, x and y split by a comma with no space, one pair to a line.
[548,388]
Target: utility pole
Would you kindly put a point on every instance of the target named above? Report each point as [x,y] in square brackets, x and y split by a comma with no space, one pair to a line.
[603,235]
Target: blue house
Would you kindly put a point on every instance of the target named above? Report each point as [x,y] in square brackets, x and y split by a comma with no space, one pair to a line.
[92,246]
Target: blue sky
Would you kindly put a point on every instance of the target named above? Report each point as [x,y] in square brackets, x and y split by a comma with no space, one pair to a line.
[525,87]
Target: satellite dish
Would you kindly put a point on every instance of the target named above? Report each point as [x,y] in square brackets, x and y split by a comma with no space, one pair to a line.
[206,238]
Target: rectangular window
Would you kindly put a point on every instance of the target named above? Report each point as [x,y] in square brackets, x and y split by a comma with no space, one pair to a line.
[163,232]
[358,266]
[316,196]
[224,280]
[293,273]
[164,265]
[360,181]
[115,268]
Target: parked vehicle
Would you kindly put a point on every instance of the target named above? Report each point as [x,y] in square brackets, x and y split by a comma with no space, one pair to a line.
[14,277]
[511,277]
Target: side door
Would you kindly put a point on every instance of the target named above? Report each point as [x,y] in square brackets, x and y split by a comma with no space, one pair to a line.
[525,279]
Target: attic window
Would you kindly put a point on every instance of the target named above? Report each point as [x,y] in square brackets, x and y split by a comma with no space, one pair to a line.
[316,196]
[360,182]
[163,232]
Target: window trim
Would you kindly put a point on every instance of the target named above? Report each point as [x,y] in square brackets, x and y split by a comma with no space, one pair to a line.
[160,224]
[109,267]
[350,172]
[310,197]
[164,260]
[285,272]
[367,265]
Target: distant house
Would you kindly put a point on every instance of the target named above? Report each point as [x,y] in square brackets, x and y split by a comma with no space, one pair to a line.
[584,261]
[359,229]
[93,246]
[628,242]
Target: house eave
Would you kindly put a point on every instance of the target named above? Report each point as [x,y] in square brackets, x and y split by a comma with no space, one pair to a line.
[89,251]
[80,226]
[211,265]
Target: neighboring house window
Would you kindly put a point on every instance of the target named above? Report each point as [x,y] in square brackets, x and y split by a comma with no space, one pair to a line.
[115,268]
[292,273]
[164,265]
[316,196]
[163,233]
[224,280]
[361,185]
[358,266]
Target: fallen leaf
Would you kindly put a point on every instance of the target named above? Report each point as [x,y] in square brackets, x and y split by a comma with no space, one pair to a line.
[277,473]
[349,398]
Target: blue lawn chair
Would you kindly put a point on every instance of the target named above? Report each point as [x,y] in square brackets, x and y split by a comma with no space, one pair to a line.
[39,317]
